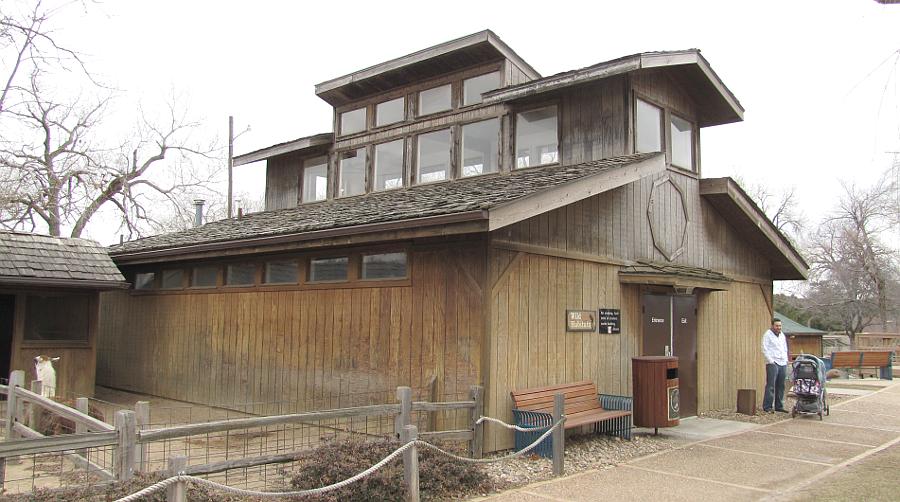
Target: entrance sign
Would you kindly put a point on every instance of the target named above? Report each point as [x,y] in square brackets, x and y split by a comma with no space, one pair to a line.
[581,320]
[610,321]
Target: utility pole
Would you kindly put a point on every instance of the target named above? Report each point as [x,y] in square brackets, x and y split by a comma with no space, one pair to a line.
[230,159]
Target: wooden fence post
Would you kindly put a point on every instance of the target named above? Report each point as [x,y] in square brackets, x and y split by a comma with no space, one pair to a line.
[16,379]
[404,395]
[411,462]
[559,435]
[142,417]
[126,427]
[33,409]
[83,405]
[477,447]
[178,491]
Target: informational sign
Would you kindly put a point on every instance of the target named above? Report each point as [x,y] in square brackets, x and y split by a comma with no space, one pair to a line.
[581,320]
[610,321]
[674,404]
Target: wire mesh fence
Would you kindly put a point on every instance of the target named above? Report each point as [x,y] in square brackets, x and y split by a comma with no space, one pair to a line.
[214,455]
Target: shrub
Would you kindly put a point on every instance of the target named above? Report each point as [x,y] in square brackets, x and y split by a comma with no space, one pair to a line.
[439,476]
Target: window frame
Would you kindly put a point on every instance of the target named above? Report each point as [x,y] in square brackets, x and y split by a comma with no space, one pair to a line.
[193,276]
[416,174]
[361,260]
[451,85]
[405,114]
[256,273]
[162,275]
[460,149]
[309,268]
[264,264]
[365,127]
[367,167]
[514,125]
[462,87]
[671,154]
[90,328]
[665,116]
[302,180]
[404,165]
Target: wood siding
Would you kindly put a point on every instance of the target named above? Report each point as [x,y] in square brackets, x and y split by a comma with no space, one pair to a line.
[615,224]
[309,349]
[529,346]
[282,182]
[77,364]
[593,121]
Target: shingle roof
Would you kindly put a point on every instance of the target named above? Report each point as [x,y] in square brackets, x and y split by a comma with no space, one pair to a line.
[437,199]
[793,327]
[647,268]
[41,257]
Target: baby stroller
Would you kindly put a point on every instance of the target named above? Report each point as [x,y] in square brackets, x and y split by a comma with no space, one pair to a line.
[808,376]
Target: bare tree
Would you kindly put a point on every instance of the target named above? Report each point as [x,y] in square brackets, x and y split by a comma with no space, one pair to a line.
[854,272]
[28,46]
[60,171]
[181,216]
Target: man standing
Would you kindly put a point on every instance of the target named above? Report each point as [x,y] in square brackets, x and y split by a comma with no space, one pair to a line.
[774,348]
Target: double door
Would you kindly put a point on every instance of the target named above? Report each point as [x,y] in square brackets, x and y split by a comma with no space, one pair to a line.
[670,329]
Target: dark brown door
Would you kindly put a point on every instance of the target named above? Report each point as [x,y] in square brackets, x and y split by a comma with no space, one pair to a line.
[684,342]
[657,310]
[7,311]
[663,337]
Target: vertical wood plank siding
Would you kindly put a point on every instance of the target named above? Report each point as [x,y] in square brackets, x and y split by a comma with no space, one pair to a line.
[317,348]
[530,298]
[282,182]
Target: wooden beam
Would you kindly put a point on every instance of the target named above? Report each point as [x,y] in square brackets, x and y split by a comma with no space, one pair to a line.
[552,198]
[60,409]
[51,444]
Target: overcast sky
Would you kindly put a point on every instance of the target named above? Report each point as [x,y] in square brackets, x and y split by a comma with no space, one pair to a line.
[818,79]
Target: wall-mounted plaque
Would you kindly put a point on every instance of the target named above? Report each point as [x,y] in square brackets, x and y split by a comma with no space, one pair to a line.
[610,321]
[581,320]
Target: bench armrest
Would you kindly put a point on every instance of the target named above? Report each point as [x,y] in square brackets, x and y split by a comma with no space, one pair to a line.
[525,418]
[611,402]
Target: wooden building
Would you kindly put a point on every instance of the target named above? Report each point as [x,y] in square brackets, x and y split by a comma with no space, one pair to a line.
[49,304]
[801,339]
[440,235]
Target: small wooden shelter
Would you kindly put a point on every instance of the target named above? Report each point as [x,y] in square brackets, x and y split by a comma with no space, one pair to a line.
[467,222]
[49,305]
[801,339]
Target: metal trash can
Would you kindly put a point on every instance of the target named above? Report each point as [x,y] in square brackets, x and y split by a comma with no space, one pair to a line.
[655,388]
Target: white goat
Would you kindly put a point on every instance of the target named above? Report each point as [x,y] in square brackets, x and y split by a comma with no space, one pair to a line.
[43,368]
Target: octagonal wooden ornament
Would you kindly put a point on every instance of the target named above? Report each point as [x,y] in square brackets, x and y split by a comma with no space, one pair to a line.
[668,217]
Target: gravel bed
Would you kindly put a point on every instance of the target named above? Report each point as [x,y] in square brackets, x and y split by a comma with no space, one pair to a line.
[762,417]
[583,452]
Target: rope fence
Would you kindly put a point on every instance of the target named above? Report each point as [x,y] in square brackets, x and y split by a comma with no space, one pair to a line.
[181,478]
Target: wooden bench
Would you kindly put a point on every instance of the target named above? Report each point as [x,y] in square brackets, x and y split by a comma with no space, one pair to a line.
[859,359]
[582,406]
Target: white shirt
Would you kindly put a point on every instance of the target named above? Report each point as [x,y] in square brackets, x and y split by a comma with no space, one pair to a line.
[774,348]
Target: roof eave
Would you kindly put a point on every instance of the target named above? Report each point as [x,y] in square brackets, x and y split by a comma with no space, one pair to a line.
[718,190]
[622,66]
[126,257]
[297,145]
[62,283]
[325,89]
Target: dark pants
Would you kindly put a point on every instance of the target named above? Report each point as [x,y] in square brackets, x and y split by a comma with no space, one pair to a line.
[775,375]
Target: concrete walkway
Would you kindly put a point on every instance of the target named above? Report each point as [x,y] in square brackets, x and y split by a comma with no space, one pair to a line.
[854,454]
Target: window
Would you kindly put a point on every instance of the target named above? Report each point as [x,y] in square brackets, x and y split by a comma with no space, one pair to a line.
[315,179]
[353,121]
[57,318]
[480,147]
[145,281]
[682,143]
[434,100]
[389,165]
[536,137]
[172,279]
[647,127]
[390,112]
[384,266]
[475,86]
[433,158]
[241,274]
[204,277]
[281,272]
[328,269]
[352,173]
